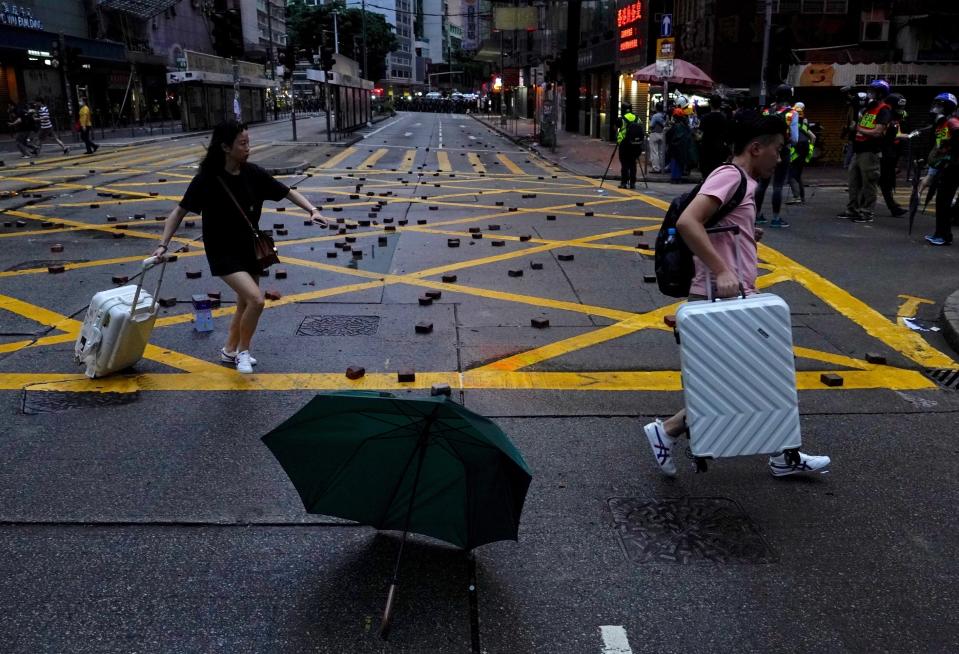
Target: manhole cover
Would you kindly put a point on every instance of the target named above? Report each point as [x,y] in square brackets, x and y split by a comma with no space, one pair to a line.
[687,530]
[42,263]
[338,326]
[34,402]
[945,377]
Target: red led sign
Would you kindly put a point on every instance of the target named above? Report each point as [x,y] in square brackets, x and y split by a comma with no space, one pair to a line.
[629,14]
[631,44]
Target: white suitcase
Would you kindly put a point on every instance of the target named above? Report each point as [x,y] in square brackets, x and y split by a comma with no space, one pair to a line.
[118,326]
[739,376]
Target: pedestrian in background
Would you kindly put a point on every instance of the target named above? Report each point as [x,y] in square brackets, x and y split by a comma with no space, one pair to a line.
[891,150]
[46,127]
[224,181]
[800,155]
[867,149]
[679,142]
[20,122]
[945,161]
[714,144]
[657,139]
[782,108]
[629,139]
[86,126]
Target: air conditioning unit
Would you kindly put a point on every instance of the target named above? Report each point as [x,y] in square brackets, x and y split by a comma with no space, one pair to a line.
[875,31]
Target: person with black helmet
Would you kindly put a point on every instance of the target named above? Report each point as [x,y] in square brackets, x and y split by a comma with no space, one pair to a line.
[782,107]
[867,153]
[945,162]
[891,149]
[629,139]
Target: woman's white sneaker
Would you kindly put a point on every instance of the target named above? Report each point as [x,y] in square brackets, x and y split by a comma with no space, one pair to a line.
[662,445]
[230,357]
[243,363]
[779,467]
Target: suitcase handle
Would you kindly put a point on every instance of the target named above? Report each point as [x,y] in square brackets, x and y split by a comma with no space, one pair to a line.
[709,276]
[148,264]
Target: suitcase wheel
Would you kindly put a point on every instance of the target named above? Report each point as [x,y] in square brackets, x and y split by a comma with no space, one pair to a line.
[700,464]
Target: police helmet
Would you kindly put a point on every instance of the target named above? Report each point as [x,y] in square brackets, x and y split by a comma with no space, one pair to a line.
[880,87]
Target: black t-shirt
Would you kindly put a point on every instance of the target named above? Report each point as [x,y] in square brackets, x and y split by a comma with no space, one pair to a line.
[227,237]
[714,128]
[872,143]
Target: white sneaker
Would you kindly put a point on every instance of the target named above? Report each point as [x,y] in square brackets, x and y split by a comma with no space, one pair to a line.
[243,363]
[807,463]
[662,445]
[230,357]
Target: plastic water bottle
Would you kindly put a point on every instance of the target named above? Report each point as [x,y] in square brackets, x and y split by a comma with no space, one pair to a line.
[202,313]
[670,236]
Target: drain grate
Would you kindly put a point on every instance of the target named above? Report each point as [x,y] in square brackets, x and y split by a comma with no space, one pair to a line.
[42,263]
[338,326]
[36,402]
[687,530]
[947,378]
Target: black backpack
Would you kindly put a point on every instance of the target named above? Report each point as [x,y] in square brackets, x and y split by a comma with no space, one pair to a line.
[634,134]
[674,260]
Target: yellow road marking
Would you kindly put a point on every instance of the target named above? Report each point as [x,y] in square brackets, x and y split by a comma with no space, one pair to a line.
[336,159]
[903,340]
[910,306]
[475,162]
[443,160]
[224,379]
[512,167]
[408,159]
[371,160]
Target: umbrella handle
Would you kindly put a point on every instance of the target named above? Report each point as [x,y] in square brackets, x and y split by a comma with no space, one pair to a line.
[386,623]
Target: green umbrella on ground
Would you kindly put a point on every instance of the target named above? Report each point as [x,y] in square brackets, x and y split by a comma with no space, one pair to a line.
[427,466]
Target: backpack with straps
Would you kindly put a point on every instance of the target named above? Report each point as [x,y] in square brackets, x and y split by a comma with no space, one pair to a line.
[675,268]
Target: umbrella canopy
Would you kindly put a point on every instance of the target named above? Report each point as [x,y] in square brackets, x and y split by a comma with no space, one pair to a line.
[429,466]
[683,73]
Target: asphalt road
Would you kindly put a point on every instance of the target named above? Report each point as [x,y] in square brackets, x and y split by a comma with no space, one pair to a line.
[142,513]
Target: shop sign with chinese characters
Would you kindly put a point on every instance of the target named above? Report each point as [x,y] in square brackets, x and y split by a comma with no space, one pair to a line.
[629,22]
[16,16]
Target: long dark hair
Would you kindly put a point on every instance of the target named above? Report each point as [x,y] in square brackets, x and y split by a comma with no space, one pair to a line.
[223,134]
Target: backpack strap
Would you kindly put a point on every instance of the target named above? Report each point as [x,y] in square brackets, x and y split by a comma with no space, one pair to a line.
[733,202]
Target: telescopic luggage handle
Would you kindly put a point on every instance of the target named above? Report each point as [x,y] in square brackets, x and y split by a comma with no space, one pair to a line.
[735,229]
[148,264]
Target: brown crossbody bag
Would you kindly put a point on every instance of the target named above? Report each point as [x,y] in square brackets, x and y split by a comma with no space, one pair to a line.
[263,246]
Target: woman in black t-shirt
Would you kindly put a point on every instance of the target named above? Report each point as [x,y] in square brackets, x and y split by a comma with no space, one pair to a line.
[227,236]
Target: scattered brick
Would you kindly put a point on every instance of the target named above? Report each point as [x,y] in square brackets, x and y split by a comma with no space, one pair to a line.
[441,389]
[449,279]
[831,379]
[118,235]
[282,232]
[587,213]
[167,302]
[524,237]
[565,257]
[279,273]
[55,270]
[421,221]
[670,321]
[193,274]
[498,244]
[874,357]
[424,327]
[452,242]
[389,228]
[355,372]
[273,295]
[540,323]
[56,248]
[120,279]
[434,295]
[406,376]
[357,254]
[493,228]
[535,265]
[550,217]
[425,300]
[516,273]
[649,279]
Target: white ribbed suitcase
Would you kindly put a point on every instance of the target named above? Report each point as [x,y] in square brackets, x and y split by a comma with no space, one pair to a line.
[118,326]
[739,376]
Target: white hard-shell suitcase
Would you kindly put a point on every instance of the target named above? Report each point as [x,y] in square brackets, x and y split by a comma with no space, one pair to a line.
[739,375]
[118,325]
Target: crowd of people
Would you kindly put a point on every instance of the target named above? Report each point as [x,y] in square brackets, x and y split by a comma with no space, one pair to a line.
[683,137]
[32,127]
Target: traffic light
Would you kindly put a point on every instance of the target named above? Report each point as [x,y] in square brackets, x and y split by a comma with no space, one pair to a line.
[227,33]
[327,58]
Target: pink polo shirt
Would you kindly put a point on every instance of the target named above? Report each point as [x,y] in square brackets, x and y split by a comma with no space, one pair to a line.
[722,184]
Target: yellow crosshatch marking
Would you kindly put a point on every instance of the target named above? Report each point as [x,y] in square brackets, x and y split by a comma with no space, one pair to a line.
[511,372]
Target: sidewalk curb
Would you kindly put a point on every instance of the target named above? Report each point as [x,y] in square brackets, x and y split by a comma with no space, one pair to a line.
[950,320]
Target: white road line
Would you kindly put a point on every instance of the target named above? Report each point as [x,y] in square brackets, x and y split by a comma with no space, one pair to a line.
[377,131]
[441,134]
[615,641]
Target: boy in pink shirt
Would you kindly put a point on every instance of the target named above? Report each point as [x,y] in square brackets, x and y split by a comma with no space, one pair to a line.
[756,153]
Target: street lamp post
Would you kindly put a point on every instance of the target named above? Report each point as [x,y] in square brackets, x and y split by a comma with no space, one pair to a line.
[272,58]
[762,76]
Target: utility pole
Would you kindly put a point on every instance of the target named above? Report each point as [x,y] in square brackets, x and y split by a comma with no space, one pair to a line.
[762,76]
[366,71]
[272,58]
[68,95]
[449,49]
[336,34]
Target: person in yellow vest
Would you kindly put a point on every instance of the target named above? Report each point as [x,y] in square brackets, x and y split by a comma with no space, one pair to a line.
[86,126]
[944,160]
[891,150]
[629,140]
[799,155]
[867,147]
